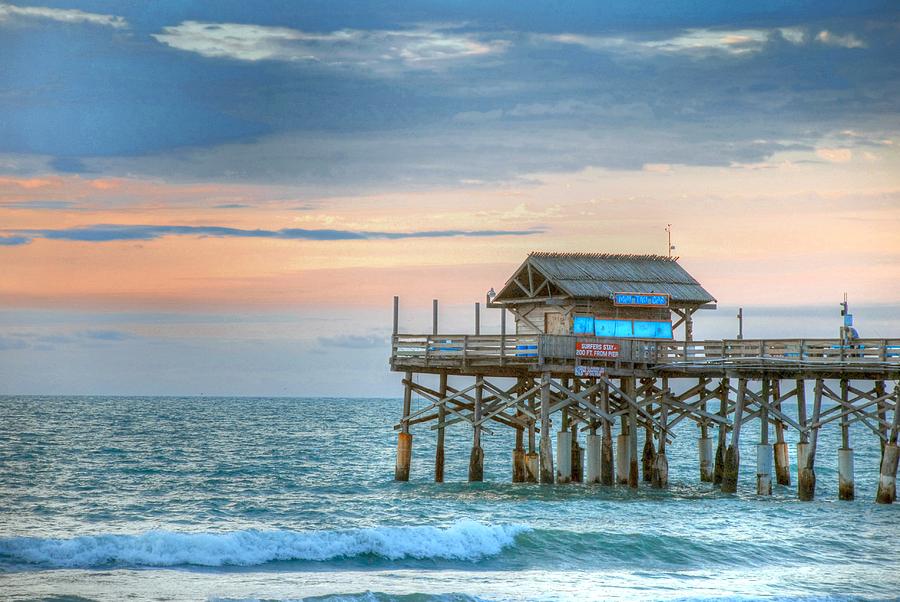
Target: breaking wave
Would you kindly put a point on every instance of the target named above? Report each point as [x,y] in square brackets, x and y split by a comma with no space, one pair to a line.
[464,540]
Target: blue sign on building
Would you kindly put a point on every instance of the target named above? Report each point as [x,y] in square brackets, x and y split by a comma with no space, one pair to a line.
[641,299]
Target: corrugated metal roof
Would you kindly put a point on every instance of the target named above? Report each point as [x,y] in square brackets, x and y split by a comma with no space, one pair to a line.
[592,275]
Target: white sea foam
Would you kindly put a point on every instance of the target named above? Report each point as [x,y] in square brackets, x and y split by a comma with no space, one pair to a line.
[463,540]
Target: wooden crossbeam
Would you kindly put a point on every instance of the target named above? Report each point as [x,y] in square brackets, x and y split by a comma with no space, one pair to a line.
[580,399]
[630,401]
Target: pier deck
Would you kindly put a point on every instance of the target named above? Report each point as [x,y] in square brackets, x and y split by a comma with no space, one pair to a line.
[514,355]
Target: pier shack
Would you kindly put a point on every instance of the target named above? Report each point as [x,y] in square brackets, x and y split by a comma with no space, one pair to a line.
[597,342]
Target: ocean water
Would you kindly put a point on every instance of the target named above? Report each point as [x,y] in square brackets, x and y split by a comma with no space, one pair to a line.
[108,498]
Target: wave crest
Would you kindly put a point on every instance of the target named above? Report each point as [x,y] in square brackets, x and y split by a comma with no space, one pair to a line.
[463,540]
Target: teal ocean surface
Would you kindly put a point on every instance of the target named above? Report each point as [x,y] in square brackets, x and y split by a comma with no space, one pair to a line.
[108,498]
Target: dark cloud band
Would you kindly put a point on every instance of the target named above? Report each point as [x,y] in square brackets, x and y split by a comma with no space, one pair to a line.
[113,232]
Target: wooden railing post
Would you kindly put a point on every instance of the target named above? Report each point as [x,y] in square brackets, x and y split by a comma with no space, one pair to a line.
[465,348]
[502,336]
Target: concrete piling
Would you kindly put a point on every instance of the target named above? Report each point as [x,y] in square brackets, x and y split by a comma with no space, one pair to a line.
[845,453]
[845,474]
[707,473]
[887,478]
[594,451]
[532,467]
[623,449]
[764,469]
[563,457]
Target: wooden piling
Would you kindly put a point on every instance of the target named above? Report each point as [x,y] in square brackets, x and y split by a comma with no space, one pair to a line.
[782,457]
[632,442]
[733,453]
[518,459]
[404,438]
[442,417]
[593,448]
[881,411]
[764,450]
[607,465]
[476,458]
[660,477]
[647,456]
[704,449]
[577,459]
[803,444]
[806,479]
[532,462]
[719,469]
[546,455]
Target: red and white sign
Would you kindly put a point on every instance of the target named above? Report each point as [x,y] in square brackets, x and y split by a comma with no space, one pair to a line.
[600,350]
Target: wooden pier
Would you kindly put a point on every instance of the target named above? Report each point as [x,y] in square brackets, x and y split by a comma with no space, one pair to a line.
[557,362]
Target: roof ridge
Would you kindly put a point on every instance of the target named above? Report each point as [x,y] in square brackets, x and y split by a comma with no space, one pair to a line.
[596,255]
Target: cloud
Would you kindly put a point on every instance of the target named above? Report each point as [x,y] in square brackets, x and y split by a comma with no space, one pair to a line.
[727,41]
[114,232]
[422,47]
[69,165]
[354,341]
[12,241]
[231,206]
[844,41]
[12,344]
[105,335]
[43,340]
[38,205]
[835,155]
[8,11]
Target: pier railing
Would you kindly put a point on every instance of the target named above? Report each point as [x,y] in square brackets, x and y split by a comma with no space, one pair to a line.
[500,350]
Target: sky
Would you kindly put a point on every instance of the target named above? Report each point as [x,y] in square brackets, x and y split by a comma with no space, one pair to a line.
[223,198]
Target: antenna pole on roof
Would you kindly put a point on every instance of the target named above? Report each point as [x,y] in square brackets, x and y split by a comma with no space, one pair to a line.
[670,246]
